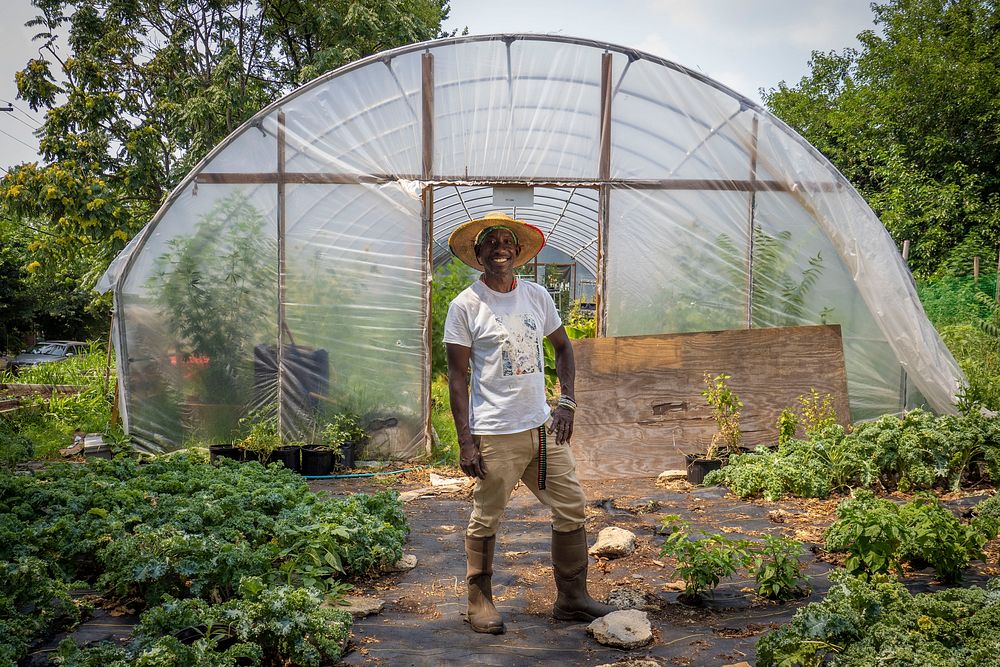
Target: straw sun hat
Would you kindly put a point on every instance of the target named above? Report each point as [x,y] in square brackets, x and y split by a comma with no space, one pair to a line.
[463,240]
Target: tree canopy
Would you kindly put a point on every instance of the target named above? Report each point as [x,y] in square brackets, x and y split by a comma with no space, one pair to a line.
[136,92]
[912,118]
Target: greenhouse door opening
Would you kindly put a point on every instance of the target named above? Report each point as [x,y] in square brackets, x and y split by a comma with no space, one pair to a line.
[566,266]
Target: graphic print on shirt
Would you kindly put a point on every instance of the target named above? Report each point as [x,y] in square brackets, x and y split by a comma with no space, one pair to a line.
[520,349]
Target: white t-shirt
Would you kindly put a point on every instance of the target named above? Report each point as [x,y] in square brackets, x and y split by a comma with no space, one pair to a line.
[505,331]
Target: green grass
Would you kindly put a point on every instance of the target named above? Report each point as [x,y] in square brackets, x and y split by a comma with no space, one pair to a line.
[446,452]
[44,425]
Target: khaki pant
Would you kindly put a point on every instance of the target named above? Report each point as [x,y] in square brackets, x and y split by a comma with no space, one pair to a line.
[514,457]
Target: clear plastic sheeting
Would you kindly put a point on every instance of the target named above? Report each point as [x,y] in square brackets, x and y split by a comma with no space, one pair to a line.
[290,273]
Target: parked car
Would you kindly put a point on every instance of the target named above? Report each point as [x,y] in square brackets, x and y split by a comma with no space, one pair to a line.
[48,351]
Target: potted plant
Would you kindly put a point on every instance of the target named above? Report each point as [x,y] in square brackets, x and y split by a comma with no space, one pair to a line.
[337,440]
[726,406]
[225,451]
[263,442]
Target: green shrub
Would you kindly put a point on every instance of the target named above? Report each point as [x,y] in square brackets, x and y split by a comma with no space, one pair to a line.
[446,447]
[14,447]
[951,300]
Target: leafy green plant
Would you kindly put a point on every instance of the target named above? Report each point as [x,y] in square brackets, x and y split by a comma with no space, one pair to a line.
[551,378]
[178,528]
[777,568]
[342,428]
[870,530]
[261,432]
[583,322]
[915,451]
[703,562]
[270,625]
[449,281]
[934,536]
[726,406]
[986,517]
[816,413]
[863,622]
[34,600]
[780,289]
[787,424]
[879,536]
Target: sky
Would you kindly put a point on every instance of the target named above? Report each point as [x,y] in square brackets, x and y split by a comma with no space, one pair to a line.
[747,45]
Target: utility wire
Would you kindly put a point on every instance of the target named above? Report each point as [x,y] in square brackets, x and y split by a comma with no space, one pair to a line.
[34,148]
[26,124]
[23,112]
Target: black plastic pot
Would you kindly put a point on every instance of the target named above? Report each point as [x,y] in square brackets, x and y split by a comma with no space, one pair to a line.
[346,455]
[316,461]
[288,456]
[697,468]
[225,452]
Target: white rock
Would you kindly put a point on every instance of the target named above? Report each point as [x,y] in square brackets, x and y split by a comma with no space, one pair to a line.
[671,474]
[622,629]
[613,542]
[359,607]
[404,564]
[438,480]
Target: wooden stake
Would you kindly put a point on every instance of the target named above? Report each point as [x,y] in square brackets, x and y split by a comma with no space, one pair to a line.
[906,250]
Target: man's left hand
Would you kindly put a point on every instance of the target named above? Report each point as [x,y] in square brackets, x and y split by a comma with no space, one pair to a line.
[562,424]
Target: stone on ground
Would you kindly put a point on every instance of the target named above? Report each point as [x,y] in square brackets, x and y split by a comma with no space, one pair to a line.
[631,598]
[613,542]
[622,629]
[359,607]
[404,564]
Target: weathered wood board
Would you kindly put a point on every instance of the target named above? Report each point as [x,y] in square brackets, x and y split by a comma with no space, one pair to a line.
[640,404]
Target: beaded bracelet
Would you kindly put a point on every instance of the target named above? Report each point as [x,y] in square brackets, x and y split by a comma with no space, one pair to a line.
[567,402]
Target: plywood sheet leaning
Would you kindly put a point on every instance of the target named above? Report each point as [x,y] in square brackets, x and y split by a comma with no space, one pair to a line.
[640,404]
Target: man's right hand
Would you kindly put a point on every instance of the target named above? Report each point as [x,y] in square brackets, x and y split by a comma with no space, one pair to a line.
[470,459]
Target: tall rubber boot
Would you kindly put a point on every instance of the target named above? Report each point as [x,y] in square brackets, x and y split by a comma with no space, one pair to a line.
[569,565]
[482,615]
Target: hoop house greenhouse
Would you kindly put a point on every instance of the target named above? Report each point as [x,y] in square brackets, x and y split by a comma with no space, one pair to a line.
[293,266]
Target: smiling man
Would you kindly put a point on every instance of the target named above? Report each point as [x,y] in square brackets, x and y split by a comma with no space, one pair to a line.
[495,328]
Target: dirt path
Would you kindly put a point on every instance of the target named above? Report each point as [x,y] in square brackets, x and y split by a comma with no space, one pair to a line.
[422,623]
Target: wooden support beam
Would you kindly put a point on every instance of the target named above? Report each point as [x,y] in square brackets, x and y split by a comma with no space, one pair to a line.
[427,108]
[728,185]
